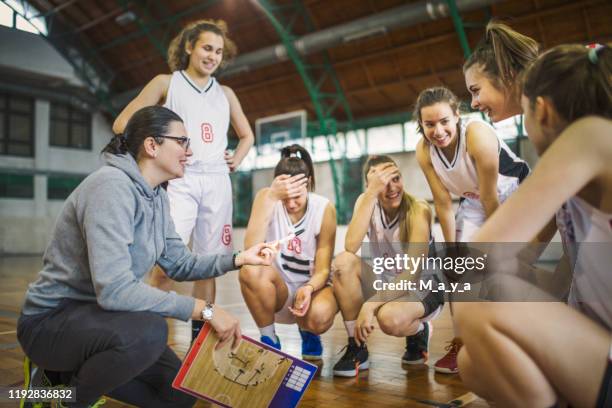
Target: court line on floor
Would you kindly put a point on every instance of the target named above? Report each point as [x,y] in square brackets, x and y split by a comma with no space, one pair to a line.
[8,346]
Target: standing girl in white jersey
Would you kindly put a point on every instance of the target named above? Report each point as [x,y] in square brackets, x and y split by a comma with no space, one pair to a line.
[547,352]
[390,218]
[466,159]
[296,287]
[201,201]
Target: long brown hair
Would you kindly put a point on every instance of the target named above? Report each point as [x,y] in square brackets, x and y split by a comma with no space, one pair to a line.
[577,80]
[408,203]
[178,58]
[503,54]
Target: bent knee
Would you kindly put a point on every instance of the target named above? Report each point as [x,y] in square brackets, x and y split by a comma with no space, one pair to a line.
[319,320]
[249,274]
[346,265]
[146,336]
[391,324]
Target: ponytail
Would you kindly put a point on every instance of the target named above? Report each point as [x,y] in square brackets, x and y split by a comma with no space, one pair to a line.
[503,54]
[117,145]
[577,80]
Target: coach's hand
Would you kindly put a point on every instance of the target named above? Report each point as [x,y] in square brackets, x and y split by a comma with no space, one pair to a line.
[259,254]
[224,324]
[286,186]
[227,328]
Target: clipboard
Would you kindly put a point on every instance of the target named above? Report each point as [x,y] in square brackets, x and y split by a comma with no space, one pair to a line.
[254,376]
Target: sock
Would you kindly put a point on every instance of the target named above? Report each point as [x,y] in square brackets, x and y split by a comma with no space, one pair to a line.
[269,332]
[196,326]
[421,327]
[350,327]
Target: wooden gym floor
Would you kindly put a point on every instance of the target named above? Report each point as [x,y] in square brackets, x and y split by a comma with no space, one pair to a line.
[386,384]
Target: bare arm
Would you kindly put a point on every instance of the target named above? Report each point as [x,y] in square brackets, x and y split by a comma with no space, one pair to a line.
[241,126]
[325,249]
[263,205]
[152,94]
[358,227]
[442,198]
[482,146]
[569,159]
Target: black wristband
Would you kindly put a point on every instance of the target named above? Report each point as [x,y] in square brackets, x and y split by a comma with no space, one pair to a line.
[234,260]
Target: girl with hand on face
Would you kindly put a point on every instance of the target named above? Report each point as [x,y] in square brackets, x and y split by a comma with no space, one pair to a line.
[469,160]
[201,201]
[390,218]
[295,288]
[547,352]
[90,321]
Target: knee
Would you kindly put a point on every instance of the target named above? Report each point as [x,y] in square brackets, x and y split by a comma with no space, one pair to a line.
[145,340]
[392,324]
[319,320]
[250,275]
[472,317]
[345,267]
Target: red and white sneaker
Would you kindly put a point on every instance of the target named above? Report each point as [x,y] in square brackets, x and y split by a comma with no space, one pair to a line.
[448,363]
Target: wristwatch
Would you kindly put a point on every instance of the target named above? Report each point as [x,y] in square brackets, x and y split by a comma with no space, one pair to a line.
[207,312]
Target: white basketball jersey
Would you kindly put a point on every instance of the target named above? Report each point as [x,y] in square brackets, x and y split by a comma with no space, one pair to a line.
[384,237]
[206,115]
[295,261]
[459,176]
[588,230]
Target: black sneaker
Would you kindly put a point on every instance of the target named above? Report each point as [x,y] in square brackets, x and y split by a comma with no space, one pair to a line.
[417,346]
[354,359]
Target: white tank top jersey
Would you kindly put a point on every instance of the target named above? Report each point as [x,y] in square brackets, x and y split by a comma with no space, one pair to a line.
[384,236]
[460,177]
[588,230]
[295,261]
[206,114]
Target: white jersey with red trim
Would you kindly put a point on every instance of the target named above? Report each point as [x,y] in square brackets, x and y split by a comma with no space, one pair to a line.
[206,114]
[296,259]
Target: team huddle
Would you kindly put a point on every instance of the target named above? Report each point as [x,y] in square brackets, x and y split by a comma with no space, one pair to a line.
[175,132]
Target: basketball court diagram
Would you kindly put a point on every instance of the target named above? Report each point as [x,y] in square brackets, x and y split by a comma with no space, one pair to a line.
[253,375]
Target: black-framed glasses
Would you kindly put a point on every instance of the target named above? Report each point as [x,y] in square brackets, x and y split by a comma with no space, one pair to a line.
[184,141]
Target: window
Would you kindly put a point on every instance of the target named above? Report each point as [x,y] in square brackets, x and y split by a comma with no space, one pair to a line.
[60,187]
[69,127]
[16,125]
[16,186]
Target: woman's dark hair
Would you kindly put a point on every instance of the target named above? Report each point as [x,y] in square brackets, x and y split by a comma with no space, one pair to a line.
[431,96]
[577,80]
[503,54]
[151,121]
[296,160]
[177,56]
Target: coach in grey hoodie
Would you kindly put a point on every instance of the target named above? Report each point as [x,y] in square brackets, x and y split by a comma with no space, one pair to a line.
[113,228]
[89,320]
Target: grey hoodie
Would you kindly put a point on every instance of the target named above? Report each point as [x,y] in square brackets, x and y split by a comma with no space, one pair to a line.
[111,231]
